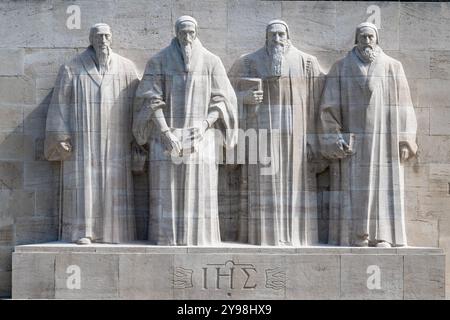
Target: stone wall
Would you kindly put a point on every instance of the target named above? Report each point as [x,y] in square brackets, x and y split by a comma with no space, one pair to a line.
[35,41]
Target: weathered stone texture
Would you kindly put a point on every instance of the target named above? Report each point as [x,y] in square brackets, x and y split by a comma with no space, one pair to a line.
[11,62]
[35,42]
[239,272]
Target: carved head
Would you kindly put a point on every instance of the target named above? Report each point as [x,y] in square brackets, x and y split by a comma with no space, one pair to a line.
[366,35]
[277,33]
[100,37]
[277,42]
[366,40]
[186,30]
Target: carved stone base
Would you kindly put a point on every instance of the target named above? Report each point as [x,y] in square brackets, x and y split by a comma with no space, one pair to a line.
[139,271]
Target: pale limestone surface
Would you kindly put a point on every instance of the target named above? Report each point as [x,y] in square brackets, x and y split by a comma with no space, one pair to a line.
[11,62]
[136,271]
[38,29]
[183,97]
[278,89]
[368,131]
[88,132]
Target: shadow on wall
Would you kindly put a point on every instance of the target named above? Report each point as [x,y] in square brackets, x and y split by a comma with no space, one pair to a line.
[37,222]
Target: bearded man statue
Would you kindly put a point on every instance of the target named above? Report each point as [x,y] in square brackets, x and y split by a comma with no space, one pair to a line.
[369,131]
[281,206]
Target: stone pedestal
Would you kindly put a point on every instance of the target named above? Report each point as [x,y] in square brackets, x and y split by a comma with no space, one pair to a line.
[138,271]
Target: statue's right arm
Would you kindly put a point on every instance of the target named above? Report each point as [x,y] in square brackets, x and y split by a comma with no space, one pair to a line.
[58,140]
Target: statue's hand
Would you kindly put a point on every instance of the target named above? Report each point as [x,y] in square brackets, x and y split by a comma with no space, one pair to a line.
[253,97]
[404,153]
[341,149]
[171,142]
[197,133]
[66,146]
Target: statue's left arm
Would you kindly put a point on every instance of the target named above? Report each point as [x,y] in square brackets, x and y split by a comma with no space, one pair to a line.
[406,115]
[317,80]
[58,136]
[223,103]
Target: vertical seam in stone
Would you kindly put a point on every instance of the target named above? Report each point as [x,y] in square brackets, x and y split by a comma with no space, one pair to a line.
[398,24]
[227,9]
[403,277]
[439,231]
[118,276]
[340,276]
[335,33]
[54,277]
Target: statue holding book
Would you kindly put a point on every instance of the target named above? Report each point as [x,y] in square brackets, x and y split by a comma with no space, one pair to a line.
[278,89]
[184,94]
[369,131]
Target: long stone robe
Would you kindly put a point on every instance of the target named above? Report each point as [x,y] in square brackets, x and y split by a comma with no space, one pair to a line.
[183,192]
[281,195]
[372,102]
[94,111]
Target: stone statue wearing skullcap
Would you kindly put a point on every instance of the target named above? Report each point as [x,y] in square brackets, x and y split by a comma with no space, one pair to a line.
[88,130]
[369,132]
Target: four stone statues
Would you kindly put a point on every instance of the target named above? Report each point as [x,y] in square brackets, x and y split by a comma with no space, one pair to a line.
[359,118]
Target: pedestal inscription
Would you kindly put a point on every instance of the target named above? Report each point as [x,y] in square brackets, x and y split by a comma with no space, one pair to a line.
[241,272]
[230,275]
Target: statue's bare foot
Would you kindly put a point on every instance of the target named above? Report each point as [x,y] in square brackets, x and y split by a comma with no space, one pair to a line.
[84,241]
[383,244]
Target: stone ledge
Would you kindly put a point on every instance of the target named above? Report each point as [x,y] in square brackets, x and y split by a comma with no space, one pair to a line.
[138,271]
[227,247]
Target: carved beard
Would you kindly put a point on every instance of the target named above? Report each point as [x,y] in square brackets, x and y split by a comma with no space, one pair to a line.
[186,50]
[276,52]
[369,53]
[103,59]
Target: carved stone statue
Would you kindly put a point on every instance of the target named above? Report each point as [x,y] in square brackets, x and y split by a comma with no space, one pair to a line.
[282,206]
[184,94]
[369,127]
[89,130]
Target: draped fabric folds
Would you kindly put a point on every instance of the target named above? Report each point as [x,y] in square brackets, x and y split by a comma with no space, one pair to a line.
[183,192]
[94,113]
[372,103]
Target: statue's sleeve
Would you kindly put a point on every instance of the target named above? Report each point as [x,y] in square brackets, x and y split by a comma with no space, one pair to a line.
[223,100]
[237,72]
[329,117]
[242,69]
[317,81]
[148,98]
[406,115]
[132,84]
[58,121]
